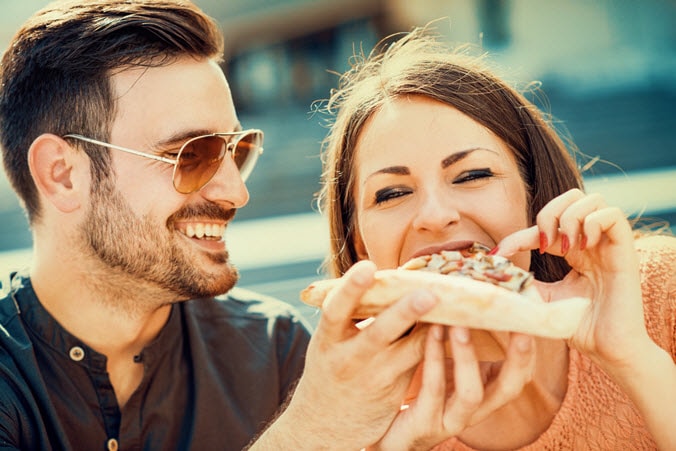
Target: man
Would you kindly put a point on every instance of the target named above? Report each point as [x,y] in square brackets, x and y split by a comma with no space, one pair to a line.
[120,137]
[96,323]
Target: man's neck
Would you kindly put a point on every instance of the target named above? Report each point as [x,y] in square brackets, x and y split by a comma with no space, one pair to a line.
[107,311]
[111,315]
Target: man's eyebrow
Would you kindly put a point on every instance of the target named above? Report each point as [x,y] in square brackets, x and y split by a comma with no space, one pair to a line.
[182,136]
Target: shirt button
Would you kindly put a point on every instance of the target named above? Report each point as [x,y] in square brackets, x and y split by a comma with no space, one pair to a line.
[112,445]
[76,353]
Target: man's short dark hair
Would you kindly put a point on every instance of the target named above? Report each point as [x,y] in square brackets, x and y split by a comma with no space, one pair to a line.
[55,74]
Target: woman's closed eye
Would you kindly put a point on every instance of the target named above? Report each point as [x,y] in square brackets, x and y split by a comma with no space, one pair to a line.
[473,175]
[389,193]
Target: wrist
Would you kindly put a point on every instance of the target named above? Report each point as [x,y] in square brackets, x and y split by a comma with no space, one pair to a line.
[648,365]
[299,428]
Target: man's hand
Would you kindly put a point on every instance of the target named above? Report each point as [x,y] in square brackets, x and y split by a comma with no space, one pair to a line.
[355,379]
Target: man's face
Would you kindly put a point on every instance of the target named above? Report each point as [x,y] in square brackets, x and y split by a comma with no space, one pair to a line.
[137,223]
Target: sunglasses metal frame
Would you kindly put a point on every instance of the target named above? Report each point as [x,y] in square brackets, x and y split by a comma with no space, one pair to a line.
[230,146]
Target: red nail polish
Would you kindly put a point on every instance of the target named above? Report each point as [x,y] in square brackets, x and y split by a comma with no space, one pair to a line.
[544,243]
[565,244]
[494,250]
[583,242]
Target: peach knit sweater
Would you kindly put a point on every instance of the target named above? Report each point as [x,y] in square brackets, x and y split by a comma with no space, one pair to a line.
[595,414]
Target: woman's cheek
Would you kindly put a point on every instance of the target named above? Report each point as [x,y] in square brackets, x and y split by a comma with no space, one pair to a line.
[381,242]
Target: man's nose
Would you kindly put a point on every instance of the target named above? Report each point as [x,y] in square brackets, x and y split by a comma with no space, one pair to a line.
[227,186]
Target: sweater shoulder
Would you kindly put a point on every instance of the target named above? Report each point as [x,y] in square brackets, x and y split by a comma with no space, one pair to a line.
[657,266]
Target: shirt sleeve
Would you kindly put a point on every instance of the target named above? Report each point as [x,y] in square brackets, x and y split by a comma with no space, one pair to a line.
[293,336]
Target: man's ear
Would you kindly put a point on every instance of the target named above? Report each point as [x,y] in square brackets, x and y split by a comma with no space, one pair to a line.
[52,162]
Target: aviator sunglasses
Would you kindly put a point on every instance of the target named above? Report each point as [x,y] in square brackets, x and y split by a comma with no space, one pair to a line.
[198,160]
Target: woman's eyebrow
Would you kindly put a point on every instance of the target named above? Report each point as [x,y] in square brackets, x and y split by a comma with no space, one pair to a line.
[457,156]
[399,170]
[446,162]
[396,170]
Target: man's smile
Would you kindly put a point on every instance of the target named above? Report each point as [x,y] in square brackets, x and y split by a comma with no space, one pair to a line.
[202,230]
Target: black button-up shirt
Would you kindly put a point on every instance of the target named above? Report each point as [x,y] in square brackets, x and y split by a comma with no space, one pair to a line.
[214,377]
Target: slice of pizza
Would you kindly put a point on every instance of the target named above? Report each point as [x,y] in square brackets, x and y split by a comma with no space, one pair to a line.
[476,290]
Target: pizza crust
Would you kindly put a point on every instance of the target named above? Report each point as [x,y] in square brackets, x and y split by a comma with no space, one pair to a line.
[465,302]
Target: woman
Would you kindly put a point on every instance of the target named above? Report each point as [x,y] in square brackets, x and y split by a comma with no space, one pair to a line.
[430,151]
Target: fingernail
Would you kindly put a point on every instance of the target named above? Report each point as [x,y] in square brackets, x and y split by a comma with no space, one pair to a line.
[565,244]
[583,242]
[524,344]
[494,250]
[461,335]
[359,279]
[437,332]
[544,243]
[423,301]
[360,276]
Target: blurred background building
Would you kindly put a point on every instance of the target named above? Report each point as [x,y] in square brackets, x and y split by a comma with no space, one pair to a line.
[607,68]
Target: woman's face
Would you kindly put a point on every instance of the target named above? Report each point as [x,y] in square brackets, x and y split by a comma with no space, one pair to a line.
[430,178]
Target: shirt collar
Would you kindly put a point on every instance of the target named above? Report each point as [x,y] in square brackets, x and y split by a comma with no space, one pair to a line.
[47,329]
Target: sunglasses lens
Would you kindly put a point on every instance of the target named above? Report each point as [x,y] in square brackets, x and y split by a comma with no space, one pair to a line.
[201,157]
[247,151]
[198,162]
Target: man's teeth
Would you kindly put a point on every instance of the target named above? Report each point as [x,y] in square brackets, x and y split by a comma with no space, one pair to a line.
[205,230]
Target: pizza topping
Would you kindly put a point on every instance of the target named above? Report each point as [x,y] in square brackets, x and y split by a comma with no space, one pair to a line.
[474,262]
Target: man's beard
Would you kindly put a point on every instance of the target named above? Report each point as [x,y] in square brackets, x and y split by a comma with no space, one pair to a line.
[148,251]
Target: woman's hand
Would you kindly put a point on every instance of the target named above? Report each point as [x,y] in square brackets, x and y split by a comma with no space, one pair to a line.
[457,393]
[597,242]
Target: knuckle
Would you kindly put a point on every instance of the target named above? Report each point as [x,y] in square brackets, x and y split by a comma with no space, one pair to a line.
[541,217]
[469,400]
[616,211]
[569,219]
[596,198]
[329,317]
[511,387]
[575,193]
[383,383]
[342,369]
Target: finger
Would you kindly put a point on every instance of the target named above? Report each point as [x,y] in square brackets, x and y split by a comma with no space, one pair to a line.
[433,389]
[610,221]
[572,220]
[548,219]
[394,321]
[520,241]
[337,309]
[469,391]
[517,370]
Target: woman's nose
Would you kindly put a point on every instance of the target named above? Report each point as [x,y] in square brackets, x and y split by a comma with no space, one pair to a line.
[436,211]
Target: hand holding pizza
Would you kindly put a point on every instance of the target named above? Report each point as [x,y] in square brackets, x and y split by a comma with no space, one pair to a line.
[597,242]
[458,393]
[355,378]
